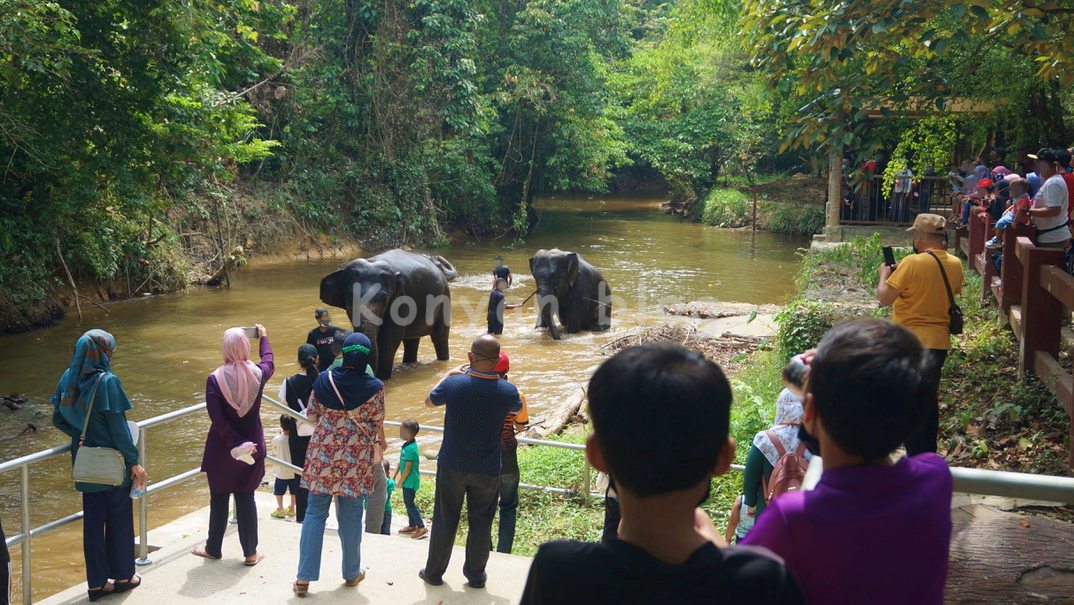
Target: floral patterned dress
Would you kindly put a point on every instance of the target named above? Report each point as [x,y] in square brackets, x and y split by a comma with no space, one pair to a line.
[339,461]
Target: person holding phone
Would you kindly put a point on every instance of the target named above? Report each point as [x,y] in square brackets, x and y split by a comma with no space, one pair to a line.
[234,459]
[916,291]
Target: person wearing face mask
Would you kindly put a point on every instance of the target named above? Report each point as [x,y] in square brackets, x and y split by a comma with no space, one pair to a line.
[920,290]
[874,530]
[476,403]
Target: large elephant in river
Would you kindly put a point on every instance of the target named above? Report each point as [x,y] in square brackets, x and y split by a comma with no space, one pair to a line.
[571,288]
[395,297]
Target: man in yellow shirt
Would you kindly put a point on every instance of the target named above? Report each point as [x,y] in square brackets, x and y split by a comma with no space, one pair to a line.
[915,288]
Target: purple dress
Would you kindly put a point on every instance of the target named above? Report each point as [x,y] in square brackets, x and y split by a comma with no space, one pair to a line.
[226,474]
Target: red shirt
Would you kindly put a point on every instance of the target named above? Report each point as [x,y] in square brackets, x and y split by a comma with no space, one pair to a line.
[1023,203]
[1069,178]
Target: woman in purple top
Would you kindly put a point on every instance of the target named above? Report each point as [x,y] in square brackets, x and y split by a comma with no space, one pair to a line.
[234,459]
[873,531]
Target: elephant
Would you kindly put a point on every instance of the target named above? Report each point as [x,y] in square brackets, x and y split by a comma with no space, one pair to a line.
[395,297]
[570,287]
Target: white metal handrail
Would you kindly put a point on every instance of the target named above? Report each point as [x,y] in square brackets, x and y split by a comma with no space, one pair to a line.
[966,480]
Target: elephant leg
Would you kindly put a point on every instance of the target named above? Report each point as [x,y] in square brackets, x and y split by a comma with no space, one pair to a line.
[440,339]
[386,350]
[410,350]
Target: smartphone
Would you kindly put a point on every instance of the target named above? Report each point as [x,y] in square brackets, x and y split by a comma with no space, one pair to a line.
[889,256]
[251,332]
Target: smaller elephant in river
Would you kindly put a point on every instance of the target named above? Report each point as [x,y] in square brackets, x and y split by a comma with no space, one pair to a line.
[395,297]
[571,288]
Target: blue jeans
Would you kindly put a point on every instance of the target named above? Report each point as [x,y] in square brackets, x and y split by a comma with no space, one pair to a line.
[508,509]
[349,516]
[413,515]
[1005,221]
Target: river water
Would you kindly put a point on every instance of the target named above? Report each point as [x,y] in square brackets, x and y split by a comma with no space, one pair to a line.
[167,345]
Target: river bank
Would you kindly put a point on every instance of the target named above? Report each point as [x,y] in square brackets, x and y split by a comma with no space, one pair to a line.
[786,204]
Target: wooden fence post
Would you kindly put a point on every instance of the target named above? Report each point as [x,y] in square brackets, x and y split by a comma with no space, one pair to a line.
[1041,312]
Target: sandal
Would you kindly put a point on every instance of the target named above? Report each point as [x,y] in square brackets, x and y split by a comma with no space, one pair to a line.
[301,588]
[99,593]
[128,584]
[199,551]
[419,533]
[258,557]
[356,580]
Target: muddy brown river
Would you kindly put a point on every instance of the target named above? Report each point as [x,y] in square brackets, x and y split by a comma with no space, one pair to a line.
[167,345]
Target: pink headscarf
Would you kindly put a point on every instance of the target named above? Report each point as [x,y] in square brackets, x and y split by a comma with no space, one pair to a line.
[238,378]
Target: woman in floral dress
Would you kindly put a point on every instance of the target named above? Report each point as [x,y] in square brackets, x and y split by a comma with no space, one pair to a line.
[348,408]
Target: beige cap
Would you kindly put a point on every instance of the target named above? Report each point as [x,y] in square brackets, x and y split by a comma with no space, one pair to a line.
[929,223]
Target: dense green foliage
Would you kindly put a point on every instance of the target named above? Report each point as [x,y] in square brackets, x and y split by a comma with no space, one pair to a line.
[726,208]
[1006,65]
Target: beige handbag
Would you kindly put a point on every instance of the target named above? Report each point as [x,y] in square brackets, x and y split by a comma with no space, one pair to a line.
[378,447]
[100,465]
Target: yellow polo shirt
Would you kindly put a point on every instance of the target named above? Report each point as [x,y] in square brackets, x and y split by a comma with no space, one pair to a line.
[922,306]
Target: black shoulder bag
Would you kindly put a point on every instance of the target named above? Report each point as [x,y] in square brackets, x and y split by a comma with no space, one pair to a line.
[955,327]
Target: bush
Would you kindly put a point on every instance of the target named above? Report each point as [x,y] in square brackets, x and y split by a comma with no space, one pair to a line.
[802,323]
[726,208]
[796,220]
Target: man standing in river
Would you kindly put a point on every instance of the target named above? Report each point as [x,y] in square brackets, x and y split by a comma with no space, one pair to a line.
[322,337]
[477,402]
[921,302]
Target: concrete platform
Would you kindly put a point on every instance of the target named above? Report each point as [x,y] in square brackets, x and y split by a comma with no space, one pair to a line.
[391,564]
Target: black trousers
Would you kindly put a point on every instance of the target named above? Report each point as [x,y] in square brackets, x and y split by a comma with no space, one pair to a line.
[298,446]
[480,492]
[245,512]
[611,515]
[923,439]
[108,535]
[5,569]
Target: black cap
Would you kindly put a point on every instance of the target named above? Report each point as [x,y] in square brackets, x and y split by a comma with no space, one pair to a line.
[1064,157]
[1046,154]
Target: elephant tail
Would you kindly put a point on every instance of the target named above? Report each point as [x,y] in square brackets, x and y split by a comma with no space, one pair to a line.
[445,266]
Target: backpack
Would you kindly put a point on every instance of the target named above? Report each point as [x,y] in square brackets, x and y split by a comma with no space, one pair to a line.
[789,471]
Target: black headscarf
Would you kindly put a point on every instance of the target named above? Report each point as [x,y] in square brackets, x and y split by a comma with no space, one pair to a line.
[353,383]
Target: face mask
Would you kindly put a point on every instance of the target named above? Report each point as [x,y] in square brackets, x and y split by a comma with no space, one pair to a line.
[812,443]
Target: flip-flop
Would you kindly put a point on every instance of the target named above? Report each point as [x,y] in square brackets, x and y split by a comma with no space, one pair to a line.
[199,551]
[301,588]
[258,557]
[125,585]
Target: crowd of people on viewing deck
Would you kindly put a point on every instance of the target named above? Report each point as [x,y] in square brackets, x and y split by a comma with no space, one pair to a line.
[1038,191]
[867,390]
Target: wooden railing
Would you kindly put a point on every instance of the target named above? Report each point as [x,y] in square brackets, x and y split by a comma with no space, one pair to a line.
[1032,290]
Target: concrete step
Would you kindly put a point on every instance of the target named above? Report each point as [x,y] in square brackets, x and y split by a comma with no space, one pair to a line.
[391,564]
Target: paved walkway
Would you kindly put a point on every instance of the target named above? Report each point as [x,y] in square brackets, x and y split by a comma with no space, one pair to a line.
[391,564]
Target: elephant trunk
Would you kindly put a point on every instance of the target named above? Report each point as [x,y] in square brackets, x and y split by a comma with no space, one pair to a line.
[370,328]
[548,305]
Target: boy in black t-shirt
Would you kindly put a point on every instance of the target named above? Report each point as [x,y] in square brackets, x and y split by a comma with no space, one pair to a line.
[660,429]
[501,271]
[321,337]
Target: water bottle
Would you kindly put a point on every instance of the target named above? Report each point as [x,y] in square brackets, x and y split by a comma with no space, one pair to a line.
[137,491]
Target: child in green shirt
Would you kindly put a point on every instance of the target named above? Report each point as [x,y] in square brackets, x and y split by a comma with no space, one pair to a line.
[408,476]
[386,526]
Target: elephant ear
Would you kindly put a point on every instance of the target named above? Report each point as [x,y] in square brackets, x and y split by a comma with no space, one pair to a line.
[572,268]
[334,289]
[534,259]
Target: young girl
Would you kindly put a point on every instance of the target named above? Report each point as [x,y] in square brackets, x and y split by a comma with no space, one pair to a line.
[763,456]
[285,477]
[295,391]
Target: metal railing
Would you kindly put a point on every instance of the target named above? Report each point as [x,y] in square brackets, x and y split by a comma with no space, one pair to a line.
[966,480]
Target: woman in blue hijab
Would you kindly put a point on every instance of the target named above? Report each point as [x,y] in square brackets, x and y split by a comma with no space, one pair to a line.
[348,408]
[108,527]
